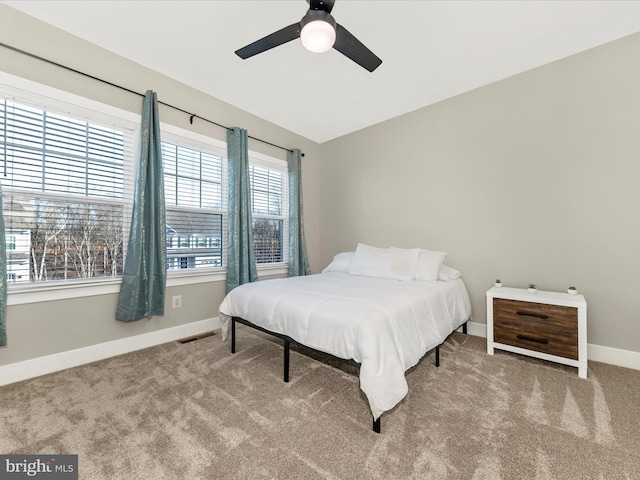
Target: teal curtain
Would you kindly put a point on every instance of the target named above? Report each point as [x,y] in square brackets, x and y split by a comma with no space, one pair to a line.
[3,278]
[145,270]
[241,260]
[298,260]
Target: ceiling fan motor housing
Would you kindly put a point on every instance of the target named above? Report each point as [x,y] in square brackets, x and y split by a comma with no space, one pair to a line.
[317,15]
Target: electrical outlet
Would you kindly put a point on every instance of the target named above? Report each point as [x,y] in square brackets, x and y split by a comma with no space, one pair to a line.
[176,301]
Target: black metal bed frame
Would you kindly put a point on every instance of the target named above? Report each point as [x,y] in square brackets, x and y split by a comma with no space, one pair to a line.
[288,340]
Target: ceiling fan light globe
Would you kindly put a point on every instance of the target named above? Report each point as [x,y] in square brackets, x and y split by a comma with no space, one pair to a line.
[318,36]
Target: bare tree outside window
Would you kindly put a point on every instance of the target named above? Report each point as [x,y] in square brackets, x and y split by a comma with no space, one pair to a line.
[73,240]
[267,240]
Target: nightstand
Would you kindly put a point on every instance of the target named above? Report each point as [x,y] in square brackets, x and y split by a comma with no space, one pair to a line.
[547,325]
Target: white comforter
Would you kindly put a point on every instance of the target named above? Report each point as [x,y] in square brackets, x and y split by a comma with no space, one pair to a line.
[385,325]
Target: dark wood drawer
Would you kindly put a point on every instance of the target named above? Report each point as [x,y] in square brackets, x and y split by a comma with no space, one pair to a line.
[551,329]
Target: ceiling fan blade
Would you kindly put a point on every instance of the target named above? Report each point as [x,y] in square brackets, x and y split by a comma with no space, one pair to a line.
[351,47]
[270,41]
[326,5]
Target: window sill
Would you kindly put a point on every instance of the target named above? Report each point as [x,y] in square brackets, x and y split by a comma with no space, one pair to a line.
[273,269]
[89,288]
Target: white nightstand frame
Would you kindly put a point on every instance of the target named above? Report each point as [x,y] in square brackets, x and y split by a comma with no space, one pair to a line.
[549,298]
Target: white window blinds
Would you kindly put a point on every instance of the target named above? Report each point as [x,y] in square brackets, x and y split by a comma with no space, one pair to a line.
[269,204]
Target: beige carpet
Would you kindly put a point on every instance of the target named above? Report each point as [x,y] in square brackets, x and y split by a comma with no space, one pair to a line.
[195,411]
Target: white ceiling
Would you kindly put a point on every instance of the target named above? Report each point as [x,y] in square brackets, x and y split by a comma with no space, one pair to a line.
[431,50]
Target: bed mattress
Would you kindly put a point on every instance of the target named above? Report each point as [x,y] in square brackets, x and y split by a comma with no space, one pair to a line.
[385,325]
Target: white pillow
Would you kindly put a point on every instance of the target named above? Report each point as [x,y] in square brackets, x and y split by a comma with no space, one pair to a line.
[429,263]
[448,273]
[341,263]
[391,263]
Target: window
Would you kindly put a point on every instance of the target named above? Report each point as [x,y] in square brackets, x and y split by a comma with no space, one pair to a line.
[64,186]
[194,193]
[68,169]
[269,204]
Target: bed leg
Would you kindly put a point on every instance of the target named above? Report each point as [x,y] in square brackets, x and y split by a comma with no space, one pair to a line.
[286,361]
[376,425]
[438,356]
[464,328]
[233,335]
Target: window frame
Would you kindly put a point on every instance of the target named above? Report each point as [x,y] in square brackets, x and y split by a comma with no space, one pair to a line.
[179,136]
[49,177]
[272,163]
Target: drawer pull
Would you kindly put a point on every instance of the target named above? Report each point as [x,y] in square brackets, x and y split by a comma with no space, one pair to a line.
[533,339]
[532,314]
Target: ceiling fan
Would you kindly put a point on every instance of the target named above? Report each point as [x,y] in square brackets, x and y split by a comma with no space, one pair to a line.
[318,32]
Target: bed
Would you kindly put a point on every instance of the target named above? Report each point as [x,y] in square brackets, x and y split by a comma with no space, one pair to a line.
[376,317]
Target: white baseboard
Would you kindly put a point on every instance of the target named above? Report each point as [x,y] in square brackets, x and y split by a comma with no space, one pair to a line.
[19,371]
[614,356]
[596,353]
[476,329]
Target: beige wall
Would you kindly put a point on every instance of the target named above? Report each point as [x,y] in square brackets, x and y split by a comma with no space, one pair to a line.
[46,328]
[533,179]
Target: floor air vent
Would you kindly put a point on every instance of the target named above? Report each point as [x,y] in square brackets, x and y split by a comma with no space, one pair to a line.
[196,337]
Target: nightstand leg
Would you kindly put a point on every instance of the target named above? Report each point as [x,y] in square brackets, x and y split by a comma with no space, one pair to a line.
[582,372]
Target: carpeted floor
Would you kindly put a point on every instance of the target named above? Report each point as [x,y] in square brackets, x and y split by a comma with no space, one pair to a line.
[195,411]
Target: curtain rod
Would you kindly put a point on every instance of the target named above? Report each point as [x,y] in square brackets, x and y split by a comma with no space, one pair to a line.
[191,115]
